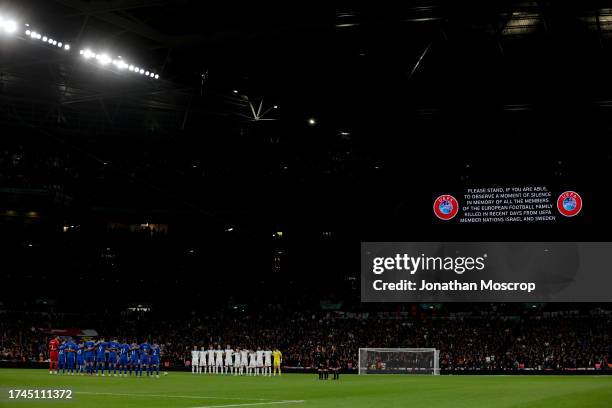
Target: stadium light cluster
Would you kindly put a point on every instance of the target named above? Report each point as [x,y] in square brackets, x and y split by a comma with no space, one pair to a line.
[48,40]
[120,63]
[7,25]
[10,26]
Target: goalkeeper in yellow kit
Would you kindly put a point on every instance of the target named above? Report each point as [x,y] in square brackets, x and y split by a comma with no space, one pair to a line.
[278,358]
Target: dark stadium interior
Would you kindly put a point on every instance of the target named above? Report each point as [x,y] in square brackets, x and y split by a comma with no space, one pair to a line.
[238,186]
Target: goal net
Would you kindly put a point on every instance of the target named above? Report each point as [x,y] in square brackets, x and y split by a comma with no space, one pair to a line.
[399,361]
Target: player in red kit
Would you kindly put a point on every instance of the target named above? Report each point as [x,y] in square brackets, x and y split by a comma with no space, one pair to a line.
[53,347]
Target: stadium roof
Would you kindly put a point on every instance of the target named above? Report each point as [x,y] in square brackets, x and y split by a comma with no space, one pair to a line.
[246,47]
[423,56]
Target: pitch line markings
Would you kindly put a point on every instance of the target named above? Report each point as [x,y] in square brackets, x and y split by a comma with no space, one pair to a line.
[172,396]
[252,404]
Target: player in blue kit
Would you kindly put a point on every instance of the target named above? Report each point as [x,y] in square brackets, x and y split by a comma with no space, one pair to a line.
[124,350]
[134,357]
[61,357]
[113,348]
[89,350]
[155,358]
[83,356]
[70,352]
[80,358]
[113,354]
[145,349]
[100,355]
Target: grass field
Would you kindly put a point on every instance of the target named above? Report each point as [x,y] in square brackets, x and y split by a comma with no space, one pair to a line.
[304,391]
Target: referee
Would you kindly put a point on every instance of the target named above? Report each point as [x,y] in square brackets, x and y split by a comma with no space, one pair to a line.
[320,362]
[334,363]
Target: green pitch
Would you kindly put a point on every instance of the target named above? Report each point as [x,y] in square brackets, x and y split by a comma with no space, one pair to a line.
[305,391]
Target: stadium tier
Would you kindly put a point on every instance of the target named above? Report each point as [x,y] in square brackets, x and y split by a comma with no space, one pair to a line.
[486,339]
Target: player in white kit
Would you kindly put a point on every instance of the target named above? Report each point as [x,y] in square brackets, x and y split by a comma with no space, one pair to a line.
[236,366]
[252,363]
[195,359]
[202,366]
[211,360]
[218,360]
[228,366]
[259,361]
[244,361]
[267,363]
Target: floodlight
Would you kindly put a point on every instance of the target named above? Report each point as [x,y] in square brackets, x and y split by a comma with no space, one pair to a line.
[67,47]
[45,38]
[156,76]
[38,36]
[59,44]
[88,54]
[312,121]
[28,32]
[131,67]
[104,59]
[147,73]
[141,71]
[10,26]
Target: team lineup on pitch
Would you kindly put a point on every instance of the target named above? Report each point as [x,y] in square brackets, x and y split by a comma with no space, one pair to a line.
[235,362]
[122,359]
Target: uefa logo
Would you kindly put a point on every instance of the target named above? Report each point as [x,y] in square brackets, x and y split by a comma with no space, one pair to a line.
[569,203]
[446,207]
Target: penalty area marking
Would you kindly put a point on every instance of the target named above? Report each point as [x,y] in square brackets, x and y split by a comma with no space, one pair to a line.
[253,403]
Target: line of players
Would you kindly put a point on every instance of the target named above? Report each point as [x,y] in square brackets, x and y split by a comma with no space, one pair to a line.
[92,357]
[236,362]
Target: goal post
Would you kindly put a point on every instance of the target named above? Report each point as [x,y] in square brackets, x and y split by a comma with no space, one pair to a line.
[399,361]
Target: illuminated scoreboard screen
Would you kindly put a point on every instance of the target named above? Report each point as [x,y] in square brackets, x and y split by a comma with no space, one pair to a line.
[507,204]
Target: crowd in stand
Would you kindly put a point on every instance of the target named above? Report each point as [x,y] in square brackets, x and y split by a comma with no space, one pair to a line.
[561,340]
